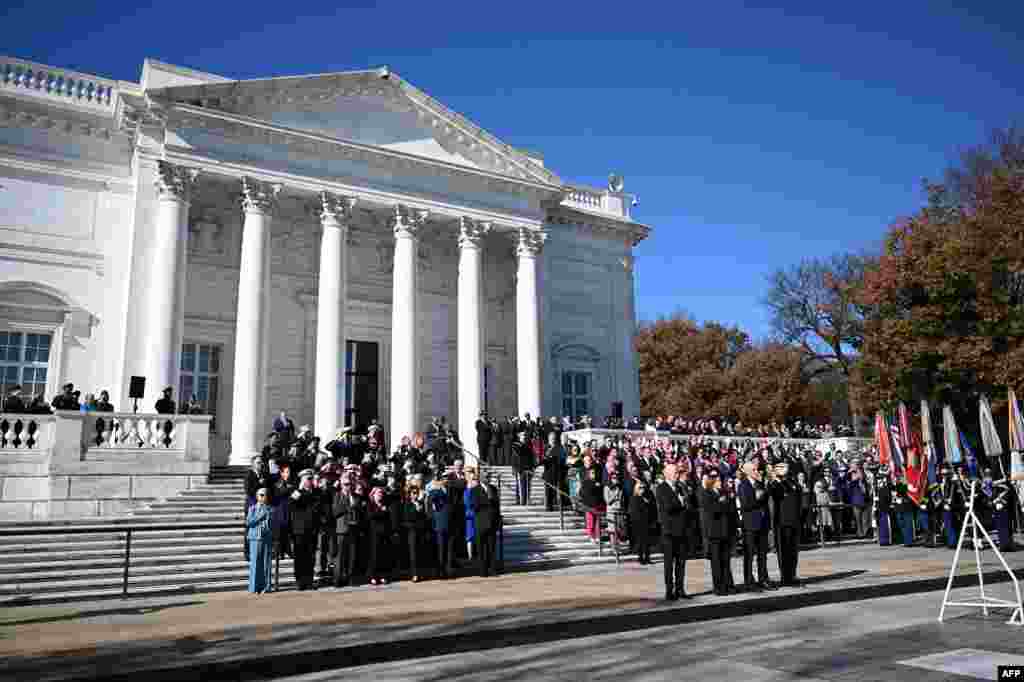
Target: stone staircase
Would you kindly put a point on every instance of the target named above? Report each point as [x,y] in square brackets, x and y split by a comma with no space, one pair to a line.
[61,566]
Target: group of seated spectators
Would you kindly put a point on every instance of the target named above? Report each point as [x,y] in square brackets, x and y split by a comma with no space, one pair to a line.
[721,426]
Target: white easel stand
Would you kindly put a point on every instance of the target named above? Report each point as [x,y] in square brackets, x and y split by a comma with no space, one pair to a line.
[971,521]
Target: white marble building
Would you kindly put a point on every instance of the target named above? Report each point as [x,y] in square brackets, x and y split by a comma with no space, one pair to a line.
[341,246]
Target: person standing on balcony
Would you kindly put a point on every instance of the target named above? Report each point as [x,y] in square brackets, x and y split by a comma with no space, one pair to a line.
[13,404]
[104,404]
[166,405]
[260,538]
[66,400]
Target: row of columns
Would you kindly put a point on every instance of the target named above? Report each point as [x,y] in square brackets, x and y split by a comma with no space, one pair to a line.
[166,302]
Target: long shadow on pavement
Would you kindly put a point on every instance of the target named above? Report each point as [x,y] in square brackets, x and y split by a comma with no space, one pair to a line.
[273,665]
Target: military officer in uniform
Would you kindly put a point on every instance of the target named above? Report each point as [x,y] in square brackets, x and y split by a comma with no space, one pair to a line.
[787,496]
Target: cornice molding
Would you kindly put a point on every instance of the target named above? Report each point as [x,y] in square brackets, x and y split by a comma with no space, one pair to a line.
[19,113]
[601,227]
[314,185]
[255,131]
[83,260]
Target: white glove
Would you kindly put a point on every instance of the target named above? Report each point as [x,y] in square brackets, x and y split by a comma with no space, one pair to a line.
[296,495]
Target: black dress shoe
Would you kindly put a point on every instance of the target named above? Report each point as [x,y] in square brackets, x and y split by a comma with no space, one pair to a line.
[768,585]
[670,596]
[751,587]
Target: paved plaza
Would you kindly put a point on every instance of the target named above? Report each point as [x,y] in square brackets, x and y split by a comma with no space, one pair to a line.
[582,623]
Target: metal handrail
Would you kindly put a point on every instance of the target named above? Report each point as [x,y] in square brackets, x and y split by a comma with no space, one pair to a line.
[127,530]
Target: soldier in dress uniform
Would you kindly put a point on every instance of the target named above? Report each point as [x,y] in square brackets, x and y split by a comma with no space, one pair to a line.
[787,496]
[304,517]
[1001,503]
[883,497]
[904,507]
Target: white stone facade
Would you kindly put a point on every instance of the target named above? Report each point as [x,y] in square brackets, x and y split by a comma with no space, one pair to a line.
[130,213]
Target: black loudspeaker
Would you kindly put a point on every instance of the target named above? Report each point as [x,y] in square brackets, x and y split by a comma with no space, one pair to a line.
[616,410]
[137,387]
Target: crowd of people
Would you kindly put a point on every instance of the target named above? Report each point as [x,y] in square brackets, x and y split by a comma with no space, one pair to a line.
[71,399]
[356,510]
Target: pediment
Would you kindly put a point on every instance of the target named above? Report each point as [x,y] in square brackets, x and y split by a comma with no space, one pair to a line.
[375,108]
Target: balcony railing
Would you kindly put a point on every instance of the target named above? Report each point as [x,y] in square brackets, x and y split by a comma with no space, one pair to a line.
[585,198]
[57,84]
[25,431]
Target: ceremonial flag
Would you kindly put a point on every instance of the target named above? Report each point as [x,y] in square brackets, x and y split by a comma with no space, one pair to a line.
[1016,440]
[898,461]
[972,461]
[906,439]
[951,436]
[882,440]
[990,441]
[929,442]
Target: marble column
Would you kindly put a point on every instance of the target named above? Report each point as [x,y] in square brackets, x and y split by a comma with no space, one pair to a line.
[168,270]
[528,384]
[335,214]
[471,330]
[629,391]
[258,203]
[405,360]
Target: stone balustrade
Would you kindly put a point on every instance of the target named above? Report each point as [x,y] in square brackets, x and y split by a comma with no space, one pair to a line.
[590,199]
[847,445]
[45,81]
[25,431]
[88,464]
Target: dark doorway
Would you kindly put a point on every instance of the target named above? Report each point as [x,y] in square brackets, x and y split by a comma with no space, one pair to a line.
[360,383]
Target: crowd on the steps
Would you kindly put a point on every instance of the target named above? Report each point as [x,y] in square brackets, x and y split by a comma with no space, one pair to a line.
[353,509]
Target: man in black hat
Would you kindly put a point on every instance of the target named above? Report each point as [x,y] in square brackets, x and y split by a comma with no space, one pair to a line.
[165,405]
[66,400]
[304,513]
[787,496]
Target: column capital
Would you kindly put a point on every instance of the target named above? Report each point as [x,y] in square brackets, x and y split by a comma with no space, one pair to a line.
[175,183]
[336,208]
[259,197]
[471,232]
[408,222]
[530,242]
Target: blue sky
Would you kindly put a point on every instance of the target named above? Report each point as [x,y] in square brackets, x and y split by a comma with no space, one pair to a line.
[753,135]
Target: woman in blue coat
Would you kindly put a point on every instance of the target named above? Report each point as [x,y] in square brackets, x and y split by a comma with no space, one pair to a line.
[467,497]
[260,536]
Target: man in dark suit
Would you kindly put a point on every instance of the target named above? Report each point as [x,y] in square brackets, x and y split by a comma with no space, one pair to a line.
[786,494]
[483,436]
[349,512]
[304,519]
[523,465]
[554,464]
[676,503]
[486,503]
[714,508]
[166,405]
[754,503]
